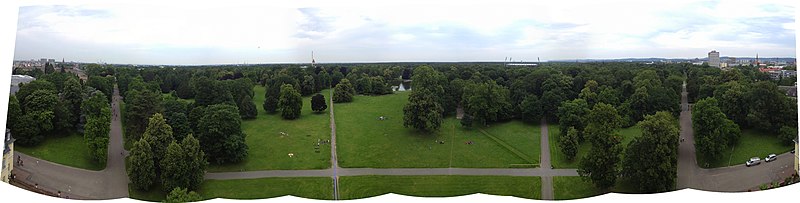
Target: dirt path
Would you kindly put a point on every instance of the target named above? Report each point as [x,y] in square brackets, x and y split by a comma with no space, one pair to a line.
[334,161]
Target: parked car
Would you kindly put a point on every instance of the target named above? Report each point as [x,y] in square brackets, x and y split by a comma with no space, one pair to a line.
[771,157]
[753,161]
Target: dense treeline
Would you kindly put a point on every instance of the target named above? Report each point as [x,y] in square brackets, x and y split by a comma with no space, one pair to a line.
[732,100]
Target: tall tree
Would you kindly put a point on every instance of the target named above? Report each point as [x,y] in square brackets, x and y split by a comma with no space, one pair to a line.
[220,134]
[422,112]
[714,132]
[142,170]
[318,103]
[140,106]
[290,102]
[73,98]
[158,134]
[195,162]
[343,92]
[14,113]
[651,160]
[569,143]
[572,114]
[600,165]
[247,109]
[95,133]
[486,102]
[531,108]
[174,168]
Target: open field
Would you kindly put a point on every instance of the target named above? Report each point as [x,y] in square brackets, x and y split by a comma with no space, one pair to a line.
[69,150]
[752,144]
[355,187]
[306,187]
[366,141]
[558,159]
[269,149]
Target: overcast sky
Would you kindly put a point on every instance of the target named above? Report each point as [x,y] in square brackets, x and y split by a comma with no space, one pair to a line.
[490,31]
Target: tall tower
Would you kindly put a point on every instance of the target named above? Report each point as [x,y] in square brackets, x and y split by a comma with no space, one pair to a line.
[313,62]
[713,59]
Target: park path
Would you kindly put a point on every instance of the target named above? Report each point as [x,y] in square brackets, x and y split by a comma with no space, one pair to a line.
[544,162]
[394,172]
[735,178]
[77,183]
[334,161]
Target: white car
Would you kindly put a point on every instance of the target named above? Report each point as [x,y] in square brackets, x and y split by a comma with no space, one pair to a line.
[771,157]
[753,161]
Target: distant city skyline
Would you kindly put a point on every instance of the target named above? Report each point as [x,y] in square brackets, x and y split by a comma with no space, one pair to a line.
[174,34]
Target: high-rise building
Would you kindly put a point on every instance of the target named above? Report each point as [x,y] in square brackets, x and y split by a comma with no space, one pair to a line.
[713,59]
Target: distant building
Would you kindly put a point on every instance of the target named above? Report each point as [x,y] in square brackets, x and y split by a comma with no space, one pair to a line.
[8,157]
[19,79]
[713,59]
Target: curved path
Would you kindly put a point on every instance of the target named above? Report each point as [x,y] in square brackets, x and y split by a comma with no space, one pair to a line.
[109,183]
[725,179]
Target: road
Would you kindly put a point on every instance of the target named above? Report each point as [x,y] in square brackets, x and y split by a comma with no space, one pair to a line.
[109,183]
[726,179]
[544,162]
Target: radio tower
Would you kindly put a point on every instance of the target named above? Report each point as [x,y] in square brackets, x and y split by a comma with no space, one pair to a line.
[313,63]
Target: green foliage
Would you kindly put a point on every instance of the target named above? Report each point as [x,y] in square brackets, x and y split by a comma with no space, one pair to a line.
[72,96]
[28,89]
[180,195]
[247,109]
[651,160]
[142,170]
[788,134]
[220,134]
[601,164]
[590,92]
[96,132]
[14,113]
[572,114]
[556,89]
[308,86]
[104,84]
[273,90]
[770,109]
[569,143]
[174,168]
[210,92]
[486,102]
[195,162]
[531,108]
[318,103]
[714,132]
[140,106]
[158,135]
[733,101]
[290,102]
[40,100]
[422,112]
[343,92]
[30,128]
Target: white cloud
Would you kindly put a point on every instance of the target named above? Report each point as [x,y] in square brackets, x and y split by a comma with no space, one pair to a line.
[415,31]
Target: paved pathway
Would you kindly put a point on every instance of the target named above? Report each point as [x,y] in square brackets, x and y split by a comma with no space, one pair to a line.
[544,163]
[726,179]
[394,171]
[109,183]
[334,161]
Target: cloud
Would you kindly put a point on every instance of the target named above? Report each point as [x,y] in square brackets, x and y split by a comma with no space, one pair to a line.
[175,33]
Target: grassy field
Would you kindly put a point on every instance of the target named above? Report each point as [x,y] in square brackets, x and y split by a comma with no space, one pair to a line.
[752,144]
[306,187]
[68,150]
[269,149]
[558,159]
[568,187]
[155,194]
[365,141]
[355,187]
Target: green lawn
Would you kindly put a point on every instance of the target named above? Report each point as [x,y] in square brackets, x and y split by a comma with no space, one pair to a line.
[355,187]
[269,149]
[68,150]
[573,187]
[155,194]
[559,161]
[752,144]
[365,141]
[306,187]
